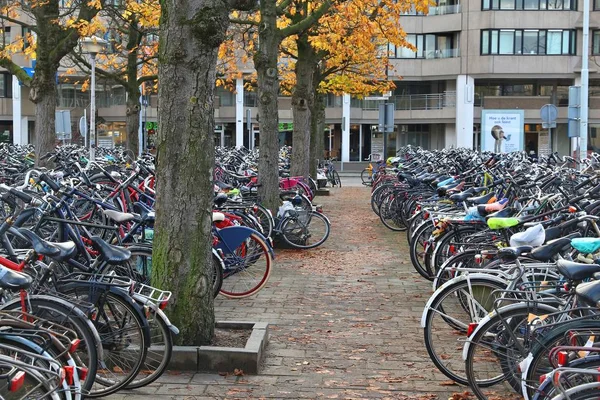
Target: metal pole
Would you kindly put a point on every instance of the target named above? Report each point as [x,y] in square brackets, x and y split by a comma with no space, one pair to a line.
[85,138]
[583,122]
[93,110]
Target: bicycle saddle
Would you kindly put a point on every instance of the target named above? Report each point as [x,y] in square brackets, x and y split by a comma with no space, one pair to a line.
[118,216]
[512,253]
[220,199]
[12,280]
[110,254]
[223,185]
[40,246]
[460,197]
[552,248]
[481,199]
[589,292]
[576,271]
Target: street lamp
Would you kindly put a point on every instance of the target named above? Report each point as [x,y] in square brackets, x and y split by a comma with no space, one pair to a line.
[92,46]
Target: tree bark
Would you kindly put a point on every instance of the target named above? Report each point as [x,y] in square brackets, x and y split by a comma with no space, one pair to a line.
[265,62]
[132,119]
[190,34]
[302,99]
[132,115]
[43,95]
[317,128]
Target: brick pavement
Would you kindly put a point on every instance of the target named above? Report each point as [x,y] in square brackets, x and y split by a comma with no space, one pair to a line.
[345,321]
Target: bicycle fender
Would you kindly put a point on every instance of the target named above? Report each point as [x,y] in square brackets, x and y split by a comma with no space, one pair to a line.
[233,236]
[159,313]
[492,314]
[451,282]
[99,348]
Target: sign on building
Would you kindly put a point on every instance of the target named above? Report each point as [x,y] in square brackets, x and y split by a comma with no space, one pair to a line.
[502,131]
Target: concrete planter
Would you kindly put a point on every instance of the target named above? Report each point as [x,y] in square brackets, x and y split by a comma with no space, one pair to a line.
[224,359]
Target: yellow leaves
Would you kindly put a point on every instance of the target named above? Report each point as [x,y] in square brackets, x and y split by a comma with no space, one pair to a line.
[85,86]
[95,4]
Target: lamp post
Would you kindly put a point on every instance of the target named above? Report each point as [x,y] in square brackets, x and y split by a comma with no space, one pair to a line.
[92,46]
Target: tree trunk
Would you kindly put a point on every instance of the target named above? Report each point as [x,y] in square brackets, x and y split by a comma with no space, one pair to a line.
[43,95]
[132,114]
[190,35]
[132,118]
[317,130]
[265,62]
[302,100]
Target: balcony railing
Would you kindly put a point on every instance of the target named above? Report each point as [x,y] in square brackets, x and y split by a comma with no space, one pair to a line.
[433,101]
[443,10]
[437,10]
[445,53]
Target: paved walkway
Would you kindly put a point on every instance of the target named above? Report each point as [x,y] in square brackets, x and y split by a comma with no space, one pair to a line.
[345,321]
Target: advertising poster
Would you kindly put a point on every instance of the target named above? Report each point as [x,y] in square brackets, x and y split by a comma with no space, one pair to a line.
[502,131]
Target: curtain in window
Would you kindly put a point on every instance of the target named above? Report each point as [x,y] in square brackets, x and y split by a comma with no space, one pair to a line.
[507,39]
[530,42]
[554,42]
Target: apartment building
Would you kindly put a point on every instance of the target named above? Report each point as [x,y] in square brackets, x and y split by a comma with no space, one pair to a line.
[472,56]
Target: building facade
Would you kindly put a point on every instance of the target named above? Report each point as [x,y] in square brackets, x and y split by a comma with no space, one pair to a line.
[471,56]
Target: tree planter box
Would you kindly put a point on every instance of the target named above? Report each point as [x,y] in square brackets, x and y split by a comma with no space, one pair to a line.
[224,359]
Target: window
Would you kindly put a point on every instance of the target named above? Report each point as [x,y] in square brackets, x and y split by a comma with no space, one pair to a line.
[5,32]
[226,97]
[428,46]
[596,4]
[527,41]
[596,43]
[532,4]
[26,33]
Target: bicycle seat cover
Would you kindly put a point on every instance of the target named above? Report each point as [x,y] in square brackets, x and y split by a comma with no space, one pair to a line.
[576,271]
[586,245]
[110,254]
[534,236]
[501,223]
[589,292]
[40,246]
[118,216]
[218,217]
[12,280]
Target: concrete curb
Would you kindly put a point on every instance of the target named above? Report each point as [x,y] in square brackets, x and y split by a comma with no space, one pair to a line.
[224,359]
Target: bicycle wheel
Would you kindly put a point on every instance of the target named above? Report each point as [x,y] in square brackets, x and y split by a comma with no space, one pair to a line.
[159,353]
[336,179]
[265,219]
[539,364]
[247,268]
[418,246]
[123,331]
[448,317]
[365,177]
[493,356]
[217,273]
[389,213]
[305,229]
[90,348]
